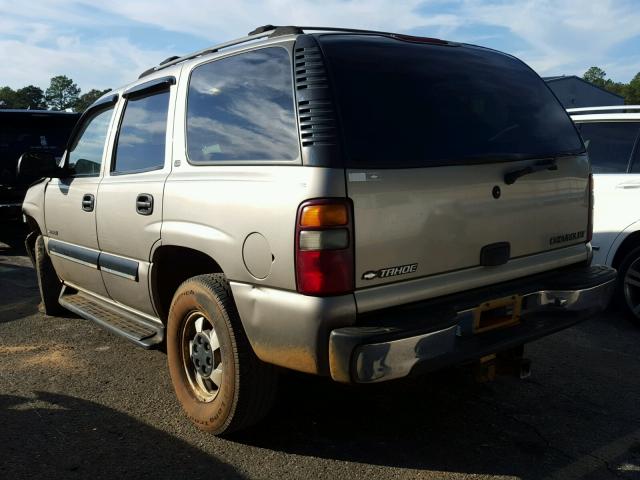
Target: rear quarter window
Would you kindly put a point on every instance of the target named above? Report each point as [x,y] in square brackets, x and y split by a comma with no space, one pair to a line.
[241,108]
[405,104]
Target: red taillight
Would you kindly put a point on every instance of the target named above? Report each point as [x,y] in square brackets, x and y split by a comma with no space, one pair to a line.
[590,219]
[324,247]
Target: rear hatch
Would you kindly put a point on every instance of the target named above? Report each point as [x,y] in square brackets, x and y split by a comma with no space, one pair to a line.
[431,132]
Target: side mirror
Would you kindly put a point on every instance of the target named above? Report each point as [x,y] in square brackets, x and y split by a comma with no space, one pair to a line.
[38,165]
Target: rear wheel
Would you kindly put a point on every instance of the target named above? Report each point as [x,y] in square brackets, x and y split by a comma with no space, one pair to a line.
[628,294]
[48,281]
[220,383]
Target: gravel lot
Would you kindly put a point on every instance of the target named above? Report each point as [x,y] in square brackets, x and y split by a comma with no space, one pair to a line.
[78,402]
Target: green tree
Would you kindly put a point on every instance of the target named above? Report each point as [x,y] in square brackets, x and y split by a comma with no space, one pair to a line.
[630,91]
[88,98]
[30,97]
[617,88]
[633,91]
[7,98]
[62,93]
[595,75]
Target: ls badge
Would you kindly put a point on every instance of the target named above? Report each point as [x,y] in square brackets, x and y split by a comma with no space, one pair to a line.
[390,271]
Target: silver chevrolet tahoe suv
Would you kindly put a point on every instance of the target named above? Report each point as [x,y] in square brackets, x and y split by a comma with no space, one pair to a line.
[354,204]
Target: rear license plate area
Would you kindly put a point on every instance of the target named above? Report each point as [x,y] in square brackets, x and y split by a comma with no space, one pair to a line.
[500,313]
[491,315]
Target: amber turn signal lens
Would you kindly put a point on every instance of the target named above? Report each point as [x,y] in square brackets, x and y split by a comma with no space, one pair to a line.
[326,215]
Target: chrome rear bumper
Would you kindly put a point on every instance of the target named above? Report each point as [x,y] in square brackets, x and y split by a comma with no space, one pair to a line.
[389,350]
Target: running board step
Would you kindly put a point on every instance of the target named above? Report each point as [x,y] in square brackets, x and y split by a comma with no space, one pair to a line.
[135,328]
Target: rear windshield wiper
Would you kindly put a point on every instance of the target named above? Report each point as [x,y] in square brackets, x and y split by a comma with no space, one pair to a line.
[511,177]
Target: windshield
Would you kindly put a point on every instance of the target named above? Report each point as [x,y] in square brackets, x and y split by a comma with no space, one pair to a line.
[405,104]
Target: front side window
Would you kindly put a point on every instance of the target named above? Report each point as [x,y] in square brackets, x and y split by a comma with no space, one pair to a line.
[609,144]
[241,108]
[142,136]
[85,154]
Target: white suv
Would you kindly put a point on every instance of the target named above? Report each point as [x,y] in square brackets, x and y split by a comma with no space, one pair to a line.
[612,137]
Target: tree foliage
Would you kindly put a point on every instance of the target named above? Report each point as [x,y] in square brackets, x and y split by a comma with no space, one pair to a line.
[7,98]
[630,91]
[595,75]
[30,97]
[62,93]
[88,98]
[633,91]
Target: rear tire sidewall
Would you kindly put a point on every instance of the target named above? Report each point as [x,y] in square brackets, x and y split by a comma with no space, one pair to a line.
[49,284]
[216,415]
[621,298]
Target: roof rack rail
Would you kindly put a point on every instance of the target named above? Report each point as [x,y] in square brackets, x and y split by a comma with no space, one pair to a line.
[266,31]
[600,109]
[168,63]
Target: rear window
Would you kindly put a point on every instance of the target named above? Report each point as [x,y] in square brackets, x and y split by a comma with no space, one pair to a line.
[21,132]
[405,104]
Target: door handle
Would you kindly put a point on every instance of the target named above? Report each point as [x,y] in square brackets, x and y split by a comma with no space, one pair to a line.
[144,204]
[88,202]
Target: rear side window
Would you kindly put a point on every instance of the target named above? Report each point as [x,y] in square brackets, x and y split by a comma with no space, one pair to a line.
[609,144]
[241,108]
[143,133]
[405,104]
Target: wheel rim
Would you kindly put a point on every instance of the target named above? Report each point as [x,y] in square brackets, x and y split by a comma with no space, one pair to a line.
[202,356]
[632,287]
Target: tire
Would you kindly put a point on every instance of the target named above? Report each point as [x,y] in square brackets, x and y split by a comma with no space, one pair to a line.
[244,391]
[48,282]
[628,288]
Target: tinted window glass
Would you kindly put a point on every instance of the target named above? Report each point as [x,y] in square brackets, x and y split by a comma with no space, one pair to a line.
[21,132]
[408,104]
[85,155]
[143,133]
[241,108]
[609,145]
[635,161]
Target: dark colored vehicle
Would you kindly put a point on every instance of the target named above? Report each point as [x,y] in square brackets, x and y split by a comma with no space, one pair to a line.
[22,131]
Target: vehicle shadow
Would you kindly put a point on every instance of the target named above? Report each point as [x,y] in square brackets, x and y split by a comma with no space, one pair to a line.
[446,422]
[58,436]
[437,423]
[19,294]
[12,235]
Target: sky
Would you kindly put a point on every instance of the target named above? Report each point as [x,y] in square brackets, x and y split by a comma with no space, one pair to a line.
[109,43]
